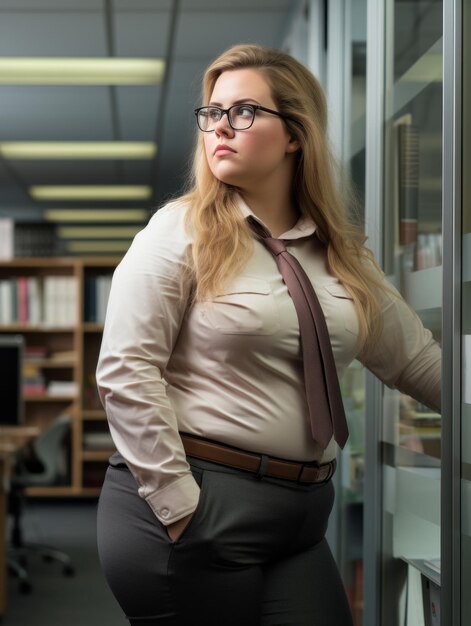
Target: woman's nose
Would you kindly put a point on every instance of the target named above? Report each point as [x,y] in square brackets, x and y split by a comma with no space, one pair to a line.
[223,127]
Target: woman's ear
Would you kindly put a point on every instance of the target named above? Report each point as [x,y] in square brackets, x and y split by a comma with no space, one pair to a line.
[293,145]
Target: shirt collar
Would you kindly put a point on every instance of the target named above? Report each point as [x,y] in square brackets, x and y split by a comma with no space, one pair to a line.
[304,227]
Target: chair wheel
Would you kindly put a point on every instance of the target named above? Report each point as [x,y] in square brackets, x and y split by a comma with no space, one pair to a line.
[25,587]
[69,571]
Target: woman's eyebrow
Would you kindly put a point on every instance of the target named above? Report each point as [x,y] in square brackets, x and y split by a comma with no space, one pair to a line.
[240,101]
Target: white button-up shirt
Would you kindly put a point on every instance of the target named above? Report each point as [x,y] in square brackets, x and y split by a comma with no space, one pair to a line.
[230,369]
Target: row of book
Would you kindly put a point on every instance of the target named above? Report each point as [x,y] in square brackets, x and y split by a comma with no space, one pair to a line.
[27,239]
[34,381]
[97,291]
[39,300]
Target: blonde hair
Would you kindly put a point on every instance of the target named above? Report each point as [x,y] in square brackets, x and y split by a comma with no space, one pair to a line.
[222,240]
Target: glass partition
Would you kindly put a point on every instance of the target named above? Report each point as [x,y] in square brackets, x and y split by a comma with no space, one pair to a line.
[350,496]
[466,326]
[410,439]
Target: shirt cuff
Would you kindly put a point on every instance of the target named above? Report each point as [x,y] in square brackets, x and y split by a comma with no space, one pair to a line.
[175,501]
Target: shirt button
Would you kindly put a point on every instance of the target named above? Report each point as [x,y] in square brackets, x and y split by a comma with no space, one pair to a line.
[164,513]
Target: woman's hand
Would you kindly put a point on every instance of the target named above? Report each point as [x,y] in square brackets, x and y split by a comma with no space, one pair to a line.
[175,530]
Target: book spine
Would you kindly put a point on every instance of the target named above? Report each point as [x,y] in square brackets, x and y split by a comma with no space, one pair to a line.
[408,153]
[23,316]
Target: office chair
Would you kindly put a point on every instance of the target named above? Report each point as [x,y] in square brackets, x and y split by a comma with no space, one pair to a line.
[46,448]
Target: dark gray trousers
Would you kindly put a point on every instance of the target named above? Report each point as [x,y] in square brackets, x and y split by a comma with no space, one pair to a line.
[254,553]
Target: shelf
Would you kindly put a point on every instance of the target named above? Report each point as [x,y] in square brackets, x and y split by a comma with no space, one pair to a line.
[100,262]
[426,70]
[51,363]
[94,414]
[46,492]
[44,397]
[428,568]
[38,262]
[97,455]
[92,327]
[28,328]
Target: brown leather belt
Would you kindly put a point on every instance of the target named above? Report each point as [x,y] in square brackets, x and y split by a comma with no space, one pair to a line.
[240,459]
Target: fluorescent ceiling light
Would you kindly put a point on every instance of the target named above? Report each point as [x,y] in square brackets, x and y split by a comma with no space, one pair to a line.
[90,192]
[98,232]
[78,150]
[96,215]
[97,246]
[80,71]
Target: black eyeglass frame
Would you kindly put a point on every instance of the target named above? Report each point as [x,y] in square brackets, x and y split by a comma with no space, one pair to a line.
[255,107]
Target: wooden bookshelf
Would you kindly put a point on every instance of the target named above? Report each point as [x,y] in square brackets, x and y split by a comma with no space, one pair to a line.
[70,354]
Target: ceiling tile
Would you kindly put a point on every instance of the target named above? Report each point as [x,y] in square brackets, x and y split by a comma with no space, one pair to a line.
[55,113]
[138,109]
[241,5]
[142,34]
[218,31]
[67,172]
[138,172]
[138,5]
[52,34]
[37,6]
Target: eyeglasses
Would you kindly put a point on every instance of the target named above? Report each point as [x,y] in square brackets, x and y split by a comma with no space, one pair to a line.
[240,116]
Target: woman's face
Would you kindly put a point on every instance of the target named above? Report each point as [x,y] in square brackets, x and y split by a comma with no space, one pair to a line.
[253,157]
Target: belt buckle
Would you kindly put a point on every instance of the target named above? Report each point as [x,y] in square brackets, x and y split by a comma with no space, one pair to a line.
[309,473]
[325,472]
[322,473]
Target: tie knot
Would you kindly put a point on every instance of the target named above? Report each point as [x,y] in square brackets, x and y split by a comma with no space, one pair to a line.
[276,246]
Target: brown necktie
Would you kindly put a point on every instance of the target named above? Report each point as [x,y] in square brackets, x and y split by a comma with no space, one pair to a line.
[324,399]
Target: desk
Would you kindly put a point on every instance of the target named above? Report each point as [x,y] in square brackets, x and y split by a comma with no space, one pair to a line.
[12,439]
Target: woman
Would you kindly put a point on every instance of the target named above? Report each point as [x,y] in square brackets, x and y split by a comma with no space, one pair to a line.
[215,507]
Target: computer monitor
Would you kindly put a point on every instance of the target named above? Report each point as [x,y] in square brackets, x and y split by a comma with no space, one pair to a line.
[11,393]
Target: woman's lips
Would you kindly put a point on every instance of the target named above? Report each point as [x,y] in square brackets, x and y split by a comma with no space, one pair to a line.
[223,150]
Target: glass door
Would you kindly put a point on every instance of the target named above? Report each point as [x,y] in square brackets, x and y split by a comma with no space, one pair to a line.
[466,326]
[412,246]
[350,486]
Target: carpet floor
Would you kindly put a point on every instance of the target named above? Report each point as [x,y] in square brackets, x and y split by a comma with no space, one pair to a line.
[56,600]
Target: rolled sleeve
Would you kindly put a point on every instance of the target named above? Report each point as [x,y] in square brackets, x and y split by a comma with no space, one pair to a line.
[406,357]
[149,296]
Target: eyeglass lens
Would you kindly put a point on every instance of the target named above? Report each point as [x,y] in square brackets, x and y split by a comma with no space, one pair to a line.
[240,116]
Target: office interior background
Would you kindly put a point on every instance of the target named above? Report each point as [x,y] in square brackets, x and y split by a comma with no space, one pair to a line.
[96,132]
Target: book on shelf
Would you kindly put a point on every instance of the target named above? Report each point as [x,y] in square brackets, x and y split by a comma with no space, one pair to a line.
[62,388]
[408,179]
[34,239]
[97,291]
[60,300]
[98,441]
[7,238]
[35,352]
[33,381]
[7,297]
[35,300]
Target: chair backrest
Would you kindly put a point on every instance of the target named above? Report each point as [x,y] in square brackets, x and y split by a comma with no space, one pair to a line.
[47,448]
